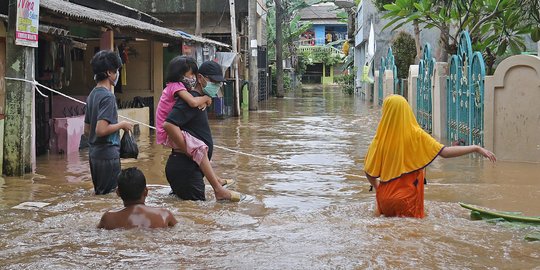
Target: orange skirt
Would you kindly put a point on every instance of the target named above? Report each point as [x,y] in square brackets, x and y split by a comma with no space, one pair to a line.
[402,197]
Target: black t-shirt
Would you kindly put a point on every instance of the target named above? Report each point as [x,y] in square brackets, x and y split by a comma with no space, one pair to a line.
[192,120]
[101,105]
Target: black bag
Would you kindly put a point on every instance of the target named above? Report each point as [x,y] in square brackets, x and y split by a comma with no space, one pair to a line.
[128,146]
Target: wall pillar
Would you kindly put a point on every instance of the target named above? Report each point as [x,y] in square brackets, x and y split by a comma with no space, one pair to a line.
[375,94]
[511,97]
[439,102]
[20,63]
[107,40]
[412,84]
[388,83]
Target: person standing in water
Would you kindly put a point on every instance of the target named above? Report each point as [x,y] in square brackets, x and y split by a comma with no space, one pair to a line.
[101,123]
[396,160]
[183,174]
[135,214]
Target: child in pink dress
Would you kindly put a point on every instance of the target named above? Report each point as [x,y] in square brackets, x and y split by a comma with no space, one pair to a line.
[180,79]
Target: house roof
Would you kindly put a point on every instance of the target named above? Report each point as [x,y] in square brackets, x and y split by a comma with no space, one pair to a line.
[82,13]
[327,13]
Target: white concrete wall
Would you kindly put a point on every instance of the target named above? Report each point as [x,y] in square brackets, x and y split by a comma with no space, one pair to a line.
[412,84]
[438,94]
[388,80]
[511,109]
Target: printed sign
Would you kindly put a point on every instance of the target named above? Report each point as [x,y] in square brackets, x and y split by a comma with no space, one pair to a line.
[27,25]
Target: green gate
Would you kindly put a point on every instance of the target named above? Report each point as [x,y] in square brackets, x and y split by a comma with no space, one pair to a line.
[465,98]
[391,65]
[423,90]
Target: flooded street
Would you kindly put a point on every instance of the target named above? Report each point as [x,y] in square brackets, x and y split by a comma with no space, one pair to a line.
[308,211]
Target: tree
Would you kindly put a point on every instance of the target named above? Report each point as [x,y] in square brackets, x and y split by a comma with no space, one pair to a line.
[531,9]
[398,11]
[404,51]
[495,26]
[284,27]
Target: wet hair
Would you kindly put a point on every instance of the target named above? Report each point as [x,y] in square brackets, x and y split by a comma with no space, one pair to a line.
[179,66]
[104,61]
[131,184]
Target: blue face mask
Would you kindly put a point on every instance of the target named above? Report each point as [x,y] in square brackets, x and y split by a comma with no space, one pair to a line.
[212,89]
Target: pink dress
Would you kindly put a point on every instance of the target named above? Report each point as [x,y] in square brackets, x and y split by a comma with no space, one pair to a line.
[195,147]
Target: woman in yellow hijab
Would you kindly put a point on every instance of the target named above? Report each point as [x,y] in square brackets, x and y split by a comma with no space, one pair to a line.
[397,156]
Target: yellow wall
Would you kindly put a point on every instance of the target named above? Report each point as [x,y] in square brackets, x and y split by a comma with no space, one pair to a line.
[138,73]
[2,30]
[139,114]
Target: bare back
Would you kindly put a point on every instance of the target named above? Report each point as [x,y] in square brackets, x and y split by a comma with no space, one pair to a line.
[137,216]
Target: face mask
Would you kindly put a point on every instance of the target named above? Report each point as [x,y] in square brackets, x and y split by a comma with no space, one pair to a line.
[117,77]
[211,89]
[191,82]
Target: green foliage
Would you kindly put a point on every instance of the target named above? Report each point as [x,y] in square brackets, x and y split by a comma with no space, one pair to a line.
[326,58]
[404,51]
[380,4]
[497,25]
[346,81]
[304,59]
[287,81]
[292,27]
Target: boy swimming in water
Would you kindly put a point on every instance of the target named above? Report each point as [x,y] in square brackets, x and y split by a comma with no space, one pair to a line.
[135,214]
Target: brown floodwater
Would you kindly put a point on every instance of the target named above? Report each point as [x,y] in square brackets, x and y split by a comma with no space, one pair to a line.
[314,216]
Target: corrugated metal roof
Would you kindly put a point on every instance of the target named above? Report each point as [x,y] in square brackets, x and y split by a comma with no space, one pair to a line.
[83,13]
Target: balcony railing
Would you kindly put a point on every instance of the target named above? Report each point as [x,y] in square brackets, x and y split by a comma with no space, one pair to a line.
[321,49]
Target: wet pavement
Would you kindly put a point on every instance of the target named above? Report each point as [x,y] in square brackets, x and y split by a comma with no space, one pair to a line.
[307,211]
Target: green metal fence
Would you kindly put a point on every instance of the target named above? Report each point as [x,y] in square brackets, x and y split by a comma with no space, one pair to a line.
[424,98]
[465,107]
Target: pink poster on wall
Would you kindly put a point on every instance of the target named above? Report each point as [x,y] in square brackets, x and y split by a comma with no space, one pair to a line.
[27,23]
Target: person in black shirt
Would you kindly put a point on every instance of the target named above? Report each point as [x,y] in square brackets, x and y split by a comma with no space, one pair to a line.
[183,174]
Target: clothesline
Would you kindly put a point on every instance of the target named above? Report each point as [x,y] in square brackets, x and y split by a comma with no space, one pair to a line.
[36,84]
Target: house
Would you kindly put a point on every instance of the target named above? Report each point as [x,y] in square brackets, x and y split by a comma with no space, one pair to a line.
[368,13]
[70,33]
[215,24]
[323,37]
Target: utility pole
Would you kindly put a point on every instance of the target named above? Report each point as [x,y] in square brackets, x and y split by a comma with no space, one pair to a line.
[253,63]
[235,63]
[198,19]
[19,153]
[279,49]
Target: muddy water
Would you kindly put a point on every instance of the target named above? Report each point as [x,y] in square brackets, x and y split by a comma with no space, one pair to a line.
[311,217]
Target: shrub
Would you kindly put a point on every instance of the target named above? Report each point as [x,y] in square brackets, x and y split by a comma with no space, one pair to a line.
[404,50]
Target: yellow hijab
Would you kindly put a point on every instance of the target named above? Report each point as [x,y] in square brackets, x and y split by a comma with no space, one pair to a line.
[400,145]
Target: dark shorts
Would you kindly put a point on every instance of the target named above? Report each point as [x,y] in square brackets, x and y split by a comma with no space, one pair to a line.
[104,174]
[185,177]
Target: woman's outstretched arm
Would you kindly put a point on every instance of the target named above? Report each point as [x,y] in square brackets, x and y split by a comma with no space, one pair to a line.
[456,151]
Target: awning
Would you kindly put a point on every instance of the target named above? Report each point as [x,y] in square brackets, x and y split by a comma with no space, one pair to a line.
[85,14]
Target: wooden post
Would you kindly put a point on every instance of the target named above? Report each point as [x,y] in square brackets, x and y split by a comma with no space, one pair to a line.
[235,63]
[107,40]
[253,65]
[280,91]
[198,18]
[18,149]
